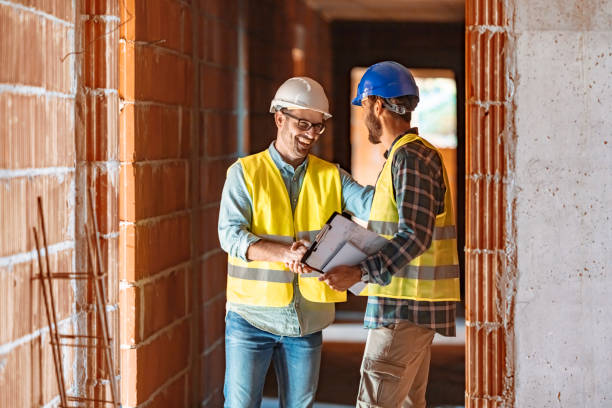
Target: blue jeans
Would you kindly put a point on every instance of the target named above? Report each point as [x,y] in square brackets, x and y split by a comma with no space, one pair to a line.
[248,352]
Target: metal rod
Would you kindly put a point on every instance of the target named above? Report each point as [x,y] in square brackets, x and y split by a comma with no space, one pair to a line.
[56,352]
[102,301]
[71,275]
[78,345]
[51,300]
[67,276]
[82,399]
[79,336]
[100,298]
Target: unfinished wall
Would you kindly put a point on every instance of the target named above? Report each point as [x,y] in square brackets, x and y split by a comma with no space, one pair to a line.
[196,80]
[58,137]
[563,99]
[490,260]
[284,39]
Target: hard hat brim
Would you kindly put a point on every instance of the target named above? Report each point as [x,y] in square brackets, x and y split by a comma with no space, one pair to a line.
[289,105]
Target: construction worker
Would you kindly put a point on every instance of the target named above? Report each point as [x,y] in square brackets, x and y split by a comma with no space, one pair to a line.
[414,278]
[273,203]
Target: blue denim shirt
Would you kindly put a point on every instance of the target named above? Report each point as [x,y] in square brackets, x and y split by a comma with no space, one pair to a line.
[300,317]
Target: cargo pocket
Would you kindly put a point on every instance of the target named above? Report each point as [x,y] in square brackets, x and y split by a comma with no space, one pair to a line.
[380,384]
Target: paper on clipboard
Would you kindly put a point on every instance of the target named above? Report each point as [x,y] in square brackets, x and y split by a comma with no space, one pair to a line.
[338,241]
[348,254]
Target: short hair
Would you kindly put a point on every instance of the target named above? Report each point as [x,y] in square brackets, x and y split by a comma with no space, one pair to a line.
[408,102]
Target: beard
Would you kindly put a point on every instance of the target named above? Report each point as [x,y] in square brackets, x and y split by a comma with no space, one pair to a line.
[374,127]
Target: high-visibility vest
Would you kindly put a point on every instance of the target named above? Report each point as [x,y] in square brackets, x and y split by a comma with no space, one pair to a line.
[262,283]
[433,275]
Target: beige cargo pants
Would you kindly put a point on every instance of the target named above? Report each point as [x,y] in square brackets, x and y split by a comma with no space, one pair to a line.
[395,367]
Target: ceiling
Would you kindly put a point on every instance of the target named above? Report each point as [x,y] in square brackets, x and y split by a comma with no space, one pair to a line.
[391,10]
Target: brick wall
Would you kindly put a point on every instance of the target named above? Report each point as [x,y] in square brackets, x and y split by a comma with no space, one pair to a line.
[156,205]
[58,137]
[149,106]
[194,76]
[284,39]
[37,157]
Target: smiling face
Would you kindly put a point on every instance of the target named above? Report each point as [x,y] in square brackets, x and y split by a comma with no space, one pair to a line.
[292,143]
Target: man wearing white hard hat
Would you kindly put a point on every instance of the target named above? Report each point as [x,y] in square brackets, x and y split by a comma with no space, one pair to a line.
[273,203]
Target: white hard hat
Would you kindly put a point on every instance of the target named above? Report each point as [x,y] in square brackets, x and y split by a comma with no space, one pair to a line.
[301,93]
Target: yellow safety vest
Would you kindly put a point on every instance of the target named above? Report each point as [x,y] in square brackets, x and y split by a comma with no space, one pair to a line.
[262,283]
[433,275]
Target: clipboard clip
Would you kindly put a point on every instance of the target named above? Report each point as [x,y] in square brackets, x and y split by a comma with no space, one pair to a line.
[318,238]
[322,233]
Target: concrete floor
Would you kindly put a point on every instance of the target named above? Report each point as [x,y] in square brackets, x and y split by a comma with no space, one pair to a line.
[343,345]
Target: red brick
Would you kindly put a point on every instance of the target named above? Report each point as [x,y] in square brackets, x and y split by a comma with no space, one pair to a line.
[153,21]
[36,131]
[185,141]
[212,327]
[60,9]
[218,42]
[209,239]
[152,247]
[151,190]
[127,13]
[108,8]
[213,275]
[20,211]
[129,304]
[217,88]
[127,252]
[263,129]
[127,68]
[100,58]
[212,179]
[261,93]
[110,264]
[152,74]
[106,195]
[226,10]
[22,296]
[261,55]
[36,359]
[171,396]
[152,369]
[212,370]
[187,31]
[47,43]
[101,127]
[220,135]
[164,301]
[152,132]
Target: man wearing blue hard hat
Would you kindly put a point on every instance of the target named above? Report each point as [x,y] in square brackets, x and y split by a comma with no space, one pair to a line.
[413,281]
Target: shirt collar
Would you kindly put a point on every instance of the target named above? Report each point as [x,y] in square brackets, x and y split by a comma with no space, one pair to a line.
[281,164]
[414,130]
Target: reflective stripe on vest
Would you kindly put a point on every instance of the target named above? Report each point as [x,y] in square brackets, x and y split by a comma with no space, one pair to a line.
[271,283]
[433,275]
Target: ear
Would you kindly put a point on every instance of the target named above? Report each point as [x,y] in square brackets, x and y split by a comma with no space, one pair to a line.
[279,119]
[378,107]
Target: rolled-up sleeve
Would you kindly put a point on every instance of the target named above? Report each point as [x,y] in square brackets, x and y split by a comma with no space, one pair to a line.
[356,199]
[236,214]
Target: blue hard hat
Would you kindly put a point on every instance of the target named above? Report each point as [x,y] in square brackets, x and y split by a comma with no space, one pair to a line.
[387,79]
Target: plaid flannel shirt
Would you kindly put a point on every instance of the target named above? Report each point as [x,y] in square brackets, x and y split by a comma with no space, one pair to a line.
[419,188]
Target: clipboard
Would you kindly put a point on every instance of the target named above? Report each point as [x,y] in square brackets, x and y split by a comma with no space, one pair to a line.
[342,242]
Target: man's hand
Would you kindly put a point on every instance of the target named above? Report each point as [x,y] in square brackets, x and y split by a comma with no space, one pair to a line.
[342,277]
[294,256]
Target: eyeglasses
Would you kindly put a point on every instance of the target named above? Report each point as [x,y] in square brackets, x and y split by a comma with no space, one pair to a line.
[305,125]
